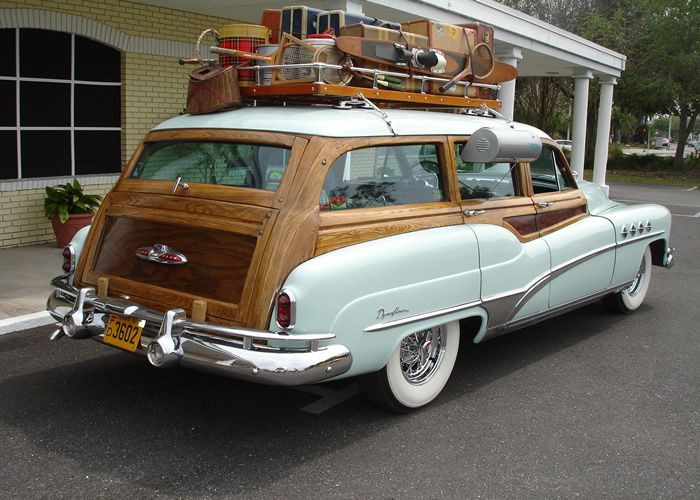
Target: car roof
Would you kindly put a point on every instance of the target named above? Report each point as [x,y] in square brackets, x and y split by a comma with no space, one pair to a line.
[332,122]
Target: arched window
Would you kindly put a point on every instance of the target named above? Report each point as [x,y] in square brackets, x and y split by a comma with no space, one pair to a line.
[60,105]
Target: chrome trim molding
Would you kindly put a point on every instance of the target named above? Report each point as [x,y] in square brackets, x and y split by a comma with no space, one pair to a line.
[640,238]
[496,331]
[161,254]
[418,317]
[170,339]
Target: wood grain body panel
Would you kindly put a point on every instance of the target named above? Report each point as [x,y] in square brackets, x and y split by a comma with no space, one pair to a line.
[571,202]
[501,211]
[338,237]
[523,224]
[218,261]
[248,196]
[203,134]
[556,217]
[162,299]
[194,207]
[185,220]
[293,236]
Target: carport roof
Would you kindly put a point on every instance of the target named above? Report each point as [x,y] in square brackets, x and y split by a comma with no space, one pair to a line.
[546,50]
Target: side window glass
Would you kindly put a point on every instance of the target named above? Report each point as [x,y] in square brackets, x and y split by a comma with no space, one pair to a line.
[561,177]
[479,181]
[548,173]
[384,176]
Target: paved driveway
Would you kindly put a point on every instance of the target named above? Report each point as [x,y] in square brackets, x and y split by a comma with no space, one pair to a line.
[588,404]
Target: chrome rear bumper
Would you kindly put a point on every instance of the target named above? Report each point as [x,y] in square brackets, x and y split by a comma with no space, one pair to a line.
[172,339]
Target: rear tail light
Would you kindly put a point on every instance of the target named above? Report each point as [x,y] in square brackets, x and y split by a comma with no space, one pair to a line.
[68,259]
[285,309]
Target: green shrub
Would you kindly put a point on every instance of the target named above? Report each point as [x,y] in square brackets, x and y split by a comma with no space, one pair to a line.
[66,199]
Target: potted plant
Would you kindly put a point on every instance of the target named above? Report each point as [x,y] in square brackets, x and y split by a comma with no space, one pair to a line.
[69,209]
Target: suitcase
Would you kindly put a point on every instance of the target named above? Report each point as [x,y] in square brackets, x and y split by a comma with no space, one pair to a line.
[443,36]
[299,20]
[380,33]
[483,33]
[336,19]
[272,19]
[446,37]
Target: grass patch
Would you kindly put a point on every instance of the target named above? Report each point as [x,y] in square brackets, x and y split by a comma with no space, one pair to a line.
[642,177]
[649,169]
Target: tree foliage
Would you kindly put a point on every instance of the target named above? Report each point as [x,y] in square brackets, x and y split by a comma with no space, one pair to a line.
[662,42]
[661,39]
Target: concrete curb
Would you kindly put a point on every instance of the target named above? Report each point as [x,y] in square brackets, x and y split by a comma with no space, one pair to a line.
[25,322]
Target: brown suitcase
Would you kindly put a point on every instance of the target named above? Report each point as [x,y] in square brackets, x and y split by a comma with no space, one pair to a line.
[484,33]
[381,33]
[271,19]
[442,36]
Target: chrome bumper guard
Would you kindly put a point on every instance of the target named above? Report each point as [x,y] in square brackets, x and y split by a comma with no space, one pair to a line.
[171,339]
[668,258]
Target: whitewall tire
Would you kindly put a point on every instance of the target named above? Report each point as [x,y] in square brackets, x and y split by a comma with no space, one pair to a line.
[629,299]
[417,371]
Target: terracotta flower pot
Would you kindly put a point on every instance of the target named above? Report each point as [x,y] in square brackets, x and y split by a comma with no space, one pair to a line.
[65,232]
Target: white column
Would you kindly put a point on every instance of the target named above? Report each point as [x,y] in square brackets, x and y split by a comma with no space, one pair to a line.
[602,141]
[507,92]
[580,118]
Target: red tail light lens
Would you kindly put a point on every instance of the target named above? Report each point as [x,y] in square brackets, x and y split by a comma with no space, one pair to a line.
[68,259]
[284,310]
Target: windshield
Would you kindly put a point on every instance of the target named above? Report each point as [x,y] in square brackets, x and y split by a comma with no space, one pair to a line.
[256,166]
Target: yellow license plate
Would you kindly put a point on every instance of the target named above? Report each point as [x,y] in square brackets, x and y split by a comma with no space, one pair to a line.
[124,332]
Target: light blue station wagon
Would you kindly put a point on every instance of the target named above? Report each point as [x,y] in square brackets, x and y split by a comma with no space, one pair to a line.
[294,245]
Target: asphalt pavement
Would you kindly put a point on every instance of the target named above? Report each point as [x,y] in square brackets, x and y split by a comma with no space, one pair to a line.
[589,404]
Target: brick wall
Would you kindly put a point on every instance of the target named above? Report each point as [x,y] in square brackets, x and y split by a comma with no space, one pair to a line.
[22,220]
[156,90]
[154,86]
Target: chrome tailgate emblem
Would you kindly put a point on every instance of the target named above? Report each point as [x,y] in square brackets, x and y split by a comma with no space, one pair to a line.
[162,254]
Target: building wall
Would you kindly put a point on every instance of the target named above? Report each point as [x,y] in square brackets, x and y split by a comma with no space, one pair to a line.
[154,86]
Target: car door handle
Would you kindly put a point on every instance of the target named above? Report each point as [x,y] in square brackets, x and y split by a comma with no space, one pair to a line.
[473,213]
[545,204]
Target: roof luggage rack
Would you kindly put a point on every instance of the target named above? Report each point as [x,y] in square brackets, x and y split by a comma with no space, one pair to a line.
[393,68]
[320,92]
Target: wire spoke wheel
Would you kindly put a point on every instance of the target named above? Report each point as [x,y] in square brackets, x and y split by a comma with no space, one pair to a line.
[421,354]
[417,370]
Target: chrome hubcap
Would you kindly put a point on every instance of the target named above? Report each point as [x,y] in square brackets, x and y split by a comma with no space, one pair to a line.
[421,354]
[636,285]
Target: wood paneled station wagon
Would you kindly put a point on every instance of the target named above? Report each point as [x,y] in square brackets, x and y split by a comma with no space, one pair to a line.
[301,243]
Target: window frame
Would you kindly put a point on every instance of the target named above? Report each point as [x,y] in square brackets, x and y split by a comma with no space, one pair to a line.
[560,164]
[72,128]
[341,146]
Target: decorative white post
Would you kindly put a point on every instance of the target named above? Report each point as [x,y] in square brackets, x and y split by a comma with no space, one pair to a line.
[600,163]
[580,118]
[507,92]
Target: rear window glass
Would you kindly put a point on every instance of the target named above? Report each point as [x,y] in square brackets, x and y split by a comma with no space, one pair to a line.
[258,166]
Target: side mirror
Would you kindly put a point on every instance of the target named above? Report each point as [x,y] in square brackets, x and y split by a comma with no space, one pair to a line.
[492,145]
